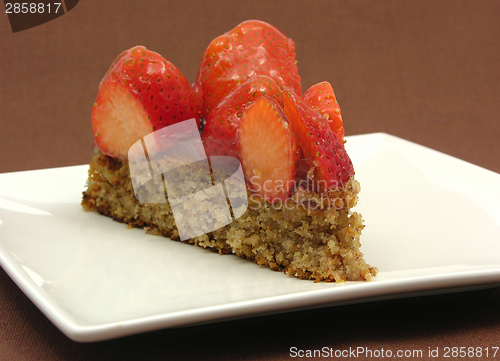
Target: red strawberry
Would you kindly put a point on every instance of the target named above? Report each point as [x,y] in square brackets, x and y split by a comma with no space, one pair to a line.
[252,48]
[141,92]
[320,146]
[267,149]
[219,134]
[321,98]
[197,91]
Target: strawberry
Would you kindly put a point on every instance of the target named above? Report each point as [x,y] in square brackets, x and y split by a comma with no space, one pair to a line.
[252,48]
[320,146]
[141,92]
[197,91]
[219,134]
[267,149]
[321,98]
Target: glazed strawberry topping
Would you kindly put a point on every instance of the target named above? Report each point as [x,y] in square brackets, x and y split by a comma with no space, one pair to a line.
[267,149]
[321,148]
[222,122]
[248,94]
[197,91]
[250,49]
[321,98]
[140,93]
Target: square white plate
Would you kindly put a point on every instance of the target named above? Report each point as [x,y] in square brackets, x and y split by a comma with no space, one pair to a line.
[432,224]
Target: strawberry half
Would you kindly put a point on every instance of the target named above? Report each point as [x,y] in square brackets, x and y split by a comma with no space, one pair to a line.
[219,134]
[267,149]
[252,48]
[141,92]
[320,146]
[197,91]
[321,97]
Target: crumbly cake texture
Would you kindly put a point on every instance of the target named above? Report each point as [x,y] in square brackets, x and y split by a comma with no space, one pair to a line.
[310,236]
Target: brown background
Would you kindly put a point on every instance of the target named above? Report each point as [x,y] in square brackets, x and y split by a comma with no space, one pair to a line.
[426,71]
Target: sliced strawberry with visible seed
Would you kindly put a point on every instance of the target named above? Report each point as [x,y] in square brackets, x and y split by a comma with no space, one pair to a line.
[252,48]
[197,91]
[219,133]
[321,97]
[320,146]
[141,92]
[118,120]
[267,149]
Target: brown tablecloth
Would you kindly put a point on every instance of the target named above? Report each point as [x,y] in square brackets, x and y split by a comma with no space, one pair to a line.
[427,71]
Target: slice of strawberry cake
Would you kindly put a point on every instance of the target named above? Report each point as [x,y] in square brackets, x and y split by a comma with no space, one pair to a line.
[287,196]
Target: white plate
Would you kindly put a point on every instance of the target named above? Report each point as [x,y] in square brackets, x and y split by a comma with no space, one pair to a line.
[432,224]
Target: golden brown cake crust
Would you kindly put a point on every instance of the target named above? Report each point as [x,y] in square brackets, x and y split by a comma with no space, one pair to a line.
[309,236]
